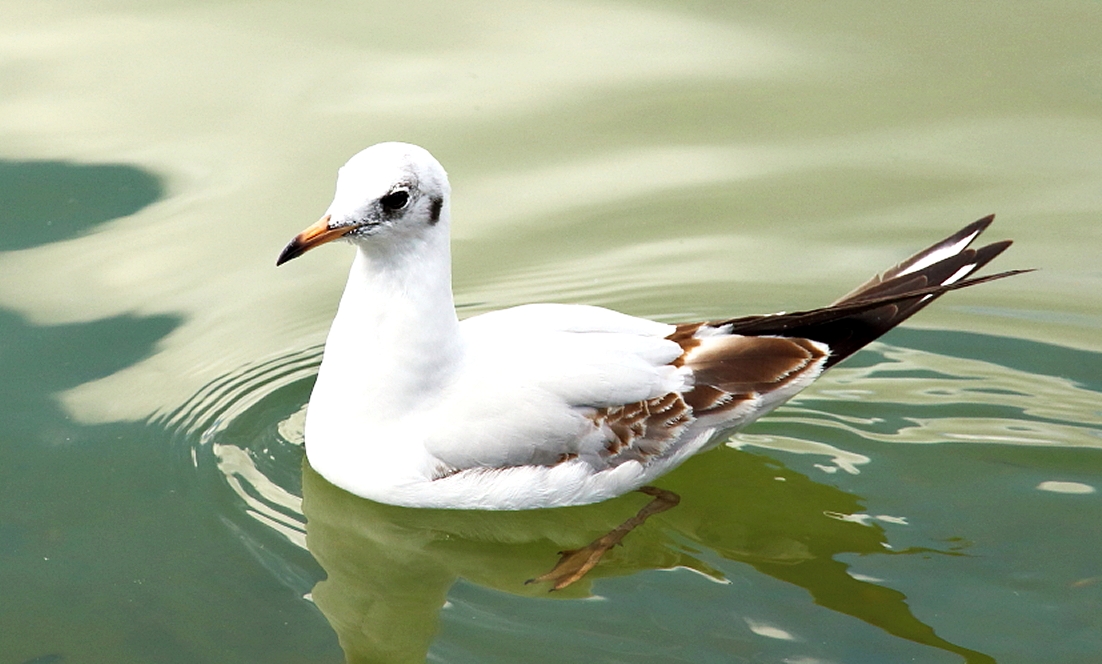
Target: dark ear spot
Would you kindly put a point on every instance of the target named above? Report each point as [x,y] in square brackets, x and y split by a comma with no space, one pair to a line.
[437,204]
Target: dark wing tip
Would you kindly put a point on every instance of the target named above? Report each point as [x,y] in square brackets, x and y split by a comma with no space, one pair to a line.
[978,226]
[888,300]
[890,279]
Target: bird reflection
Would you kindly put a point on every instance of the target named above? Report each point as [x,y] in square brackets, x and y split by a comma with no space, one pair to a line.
[390,568]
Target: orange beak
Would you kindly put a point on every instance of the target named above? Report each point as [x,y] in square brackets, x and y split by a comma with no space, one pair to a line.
[316,235]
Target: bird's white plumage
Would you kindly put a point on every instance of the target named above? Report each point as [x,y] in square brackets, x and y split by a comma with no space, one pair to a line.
[408,398]
[534,406]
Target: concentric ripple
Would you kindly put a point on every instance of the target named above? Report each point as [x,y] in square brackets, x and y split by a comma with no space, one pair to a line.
[243,435]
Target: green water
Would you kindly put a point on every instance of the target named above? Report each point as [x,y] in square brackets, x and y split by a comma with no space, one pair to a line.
[934,499]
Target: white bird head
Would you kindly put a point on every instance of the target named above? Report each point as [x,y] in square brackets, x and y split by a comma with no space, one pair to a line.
[387,193]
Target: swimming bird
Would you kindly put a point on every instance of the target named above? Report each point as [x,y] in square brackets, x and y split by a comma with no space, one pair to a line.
[547,405]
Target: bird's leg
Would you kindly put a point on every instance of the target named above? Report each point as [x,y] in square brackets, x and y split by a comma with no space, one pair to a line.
[574,564]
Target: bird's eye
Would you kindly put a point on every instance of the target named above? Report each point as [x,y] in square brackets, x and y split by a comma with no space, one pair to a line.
[395,200]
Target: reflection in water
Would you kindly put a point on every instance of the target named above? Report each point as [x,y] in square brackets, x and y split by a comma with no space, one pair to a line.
[391,570]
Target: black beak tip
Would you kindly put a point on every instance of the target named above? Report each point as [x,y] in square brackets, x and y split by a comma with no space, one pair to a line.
[293,250]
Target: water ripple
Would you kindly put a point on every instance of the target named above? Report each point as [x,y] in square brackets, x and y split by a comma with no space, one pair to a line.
[917,396]
[243,436]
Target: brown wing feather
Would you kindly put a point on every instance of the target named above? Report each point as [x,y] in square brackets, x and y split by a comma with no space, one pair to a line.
[728,371]
[767,359]
[760,361]
[740,364]
[645,428]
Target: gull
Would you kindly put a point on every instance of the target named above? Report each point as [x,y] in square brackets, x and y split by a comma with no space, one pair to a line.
[548,405]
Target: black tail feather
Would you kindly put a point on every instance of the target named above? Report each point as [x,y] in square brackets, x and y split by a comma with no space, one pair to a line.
[883,302]
[969,233]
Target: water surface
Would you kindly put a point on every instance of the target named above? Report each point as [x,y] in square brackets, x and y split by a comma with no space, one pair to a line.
[934,499]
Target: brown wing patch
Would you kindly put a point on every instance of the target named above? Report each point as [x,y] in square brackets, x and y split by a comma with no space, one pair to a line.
[728,371]
[643,429]
[685,336]
[708,400]
[747,365]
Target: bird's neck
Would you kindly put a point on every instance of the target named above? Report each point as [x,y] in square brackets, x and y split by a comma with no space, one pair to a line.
[395,340]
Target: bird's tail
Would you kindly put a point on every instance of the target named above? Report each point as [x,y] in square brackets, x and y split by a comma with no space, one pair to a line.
[887,299]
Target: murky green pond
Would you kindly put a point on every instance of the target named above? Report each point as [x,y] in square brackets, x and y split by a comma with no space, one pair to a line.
[934,499]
